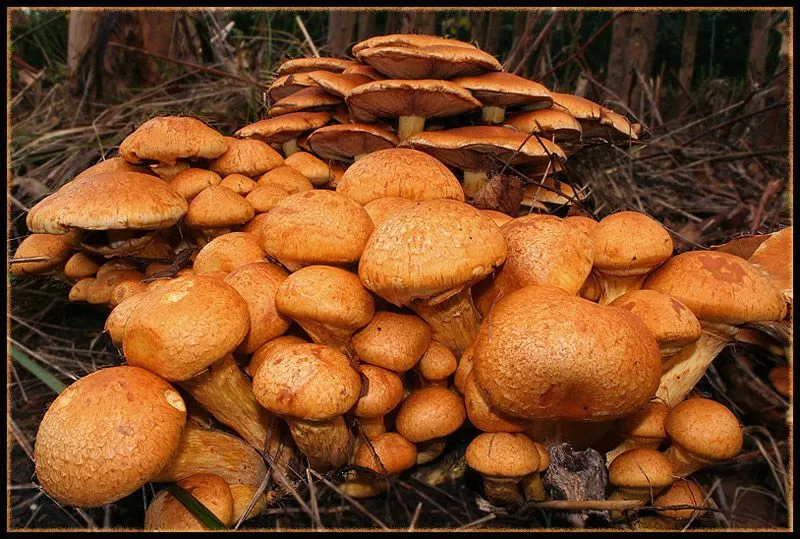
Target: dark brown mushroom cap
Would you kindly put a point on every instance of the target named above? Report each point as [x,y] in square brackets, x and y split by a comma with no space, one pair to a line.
[106,435]
[390,453]
[287,178]
[384,393]
[502,454]
[184,325]
[546,355]
[506,90]
[113,164]
[399,172]
[285,127]
[288,84]
[266,349]
[190,182]
[167,139]
[345,141]
[431,62]
[682,493]
[307,100]
[381,208]
[718,287]
[579,107]
[249,157]
[630,243]
[300,65]
[394,98]
[705,428]
[550,122]
[641,468]
[228,252]
[338,84]
[407,40]
[429,413]
[307,381]
[392,341]
[480,147]
[141,202]
[218,207]
[316,227]
[50,246]
[430,249]
[167,513]
[670,321]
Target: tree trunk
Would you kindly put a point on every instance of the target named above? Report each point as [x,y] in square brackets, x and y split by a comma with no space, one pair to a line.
[617,65]
[394,22]
[419,22]
[477,25]
[492,41]
[366,25]
[81,34]
[759,47]
[632,46]
[689,49]
[341,25]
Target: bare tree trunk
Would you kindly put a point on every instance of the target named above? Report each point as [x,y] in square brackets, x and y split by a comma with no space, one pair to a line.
[492,41]
[617,64]
[366,24]
[81,34]
[341,25]
[759,47]
[632,46]
[477,25]
[394,22]
[419,22]
[686,73]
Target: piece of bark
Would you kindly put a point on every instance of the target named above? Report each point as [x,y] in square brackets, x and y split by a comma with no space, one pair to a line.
[503,193]
[577,475]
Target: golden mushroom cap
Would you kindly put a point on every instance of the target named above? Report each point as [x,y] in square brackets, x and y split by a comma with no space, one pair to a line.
[106,435]
[774,258]
[346,141]
[80,266]
[483,416]
[550,122]
[287,178]
[238,183]
[287,85]
[437,363]
[265,197]
[392,341]
[502,454]
[390,453]
[630,243]
[587,224]
[683,492]
[407,40]
[704,428]
[381,208]
[167,513]
[502,89]
[190,182]
[113,164]
[429,62]
[264,351]
[641,468]
[50,246]
[301,65]
[248,157]
[646,422]
[218,207]
[429,413]
[285,127]
[167,139]
[384,393]
[309,99]
[228,252]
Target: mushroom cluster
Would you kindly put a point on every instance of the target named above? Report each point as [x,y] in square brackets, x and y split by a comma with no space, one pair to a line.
[320,285]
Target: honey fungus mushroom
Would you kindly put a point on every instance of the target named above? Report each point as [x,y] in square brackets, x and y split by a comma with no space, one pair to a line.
[284,130]
[392,341]
[228,252]
[384,392]
[190,182]
[130,423]
[498,91]
[503,459]
[167,513]
[639,474]
[386,455]
[642,428]
[427,416]
[54,249]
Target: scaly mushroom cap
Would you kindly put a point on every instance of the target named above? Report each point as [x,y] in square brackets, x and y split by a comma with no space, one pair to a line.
[287,178]
[140,202]
[546,355]
[266,349]
[506,90]
[670,321]
[228,252]
[390,453]
[51,246]
[312,167]
[266,197]
[433,248]
[630,243]
[106,435]
[552,122]
[238,183]
[392,341]
[218,207]
[399,172]
[407,40]
[346,141]
[429,413]
[80,266]
[384,393]
[114,164]
[307,381]
[718,287]
[479,147]
[381,208]
[167,139]
[483,416]
[284,127]
[249,157]
[641,468]
[646,422]
[316,227]
[587,224]
[431,62]
[774,259]
[306,100]
[338,84]
[502,454]
[684,492]
[301,65]
[394,98]
[190,182]
[437,363]
[166,513]
[704,428]
[288,84]
[185,325]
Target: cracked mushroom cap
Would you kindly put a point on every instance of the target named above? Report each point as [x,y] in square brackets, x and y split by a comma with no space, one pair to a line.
[384,393]
[479,147]
[167,513]
[311,99]
[287,178]
[407,40]
[684,492]
[641,468]
[238,183]
[218,207]
[190,182]
[430,62]
[141,202]
[316,227]
[339,84]
[774,258]
[704,428]
[393,98]
[381,208]
[430,249]
[718,287]
[430,413]
[50,246]
[344,142]
[546,355]
[670,321]
[184,325]
[393,341]
[390,453]
[312,167]
[288,84]
[113,164]
[501,89]
[630,243]
[552,122]
[307,381]
[266,349]
[228,252]
[106,435]
[249,157]
[167,139]
[503,454]
[285,127]
[323,63]
[399,172]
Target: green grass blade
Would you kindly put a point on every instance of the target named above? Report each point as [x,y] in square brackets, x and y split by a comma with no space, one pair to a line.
[194,506]
[37,370]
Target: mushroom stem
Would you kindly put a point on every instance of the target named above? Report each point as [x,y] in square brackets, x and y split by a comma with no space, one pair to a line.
[430,449]
[631,494]
[409,125]
[325,443]
[630,443]
[503,491]
[683,462]
[534,487]
[682,371]
[167,172]
[613,286]
[336,338]
[454,321]
[493,115]
[474,181]
[289,147]
[118,237]
[224,391]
